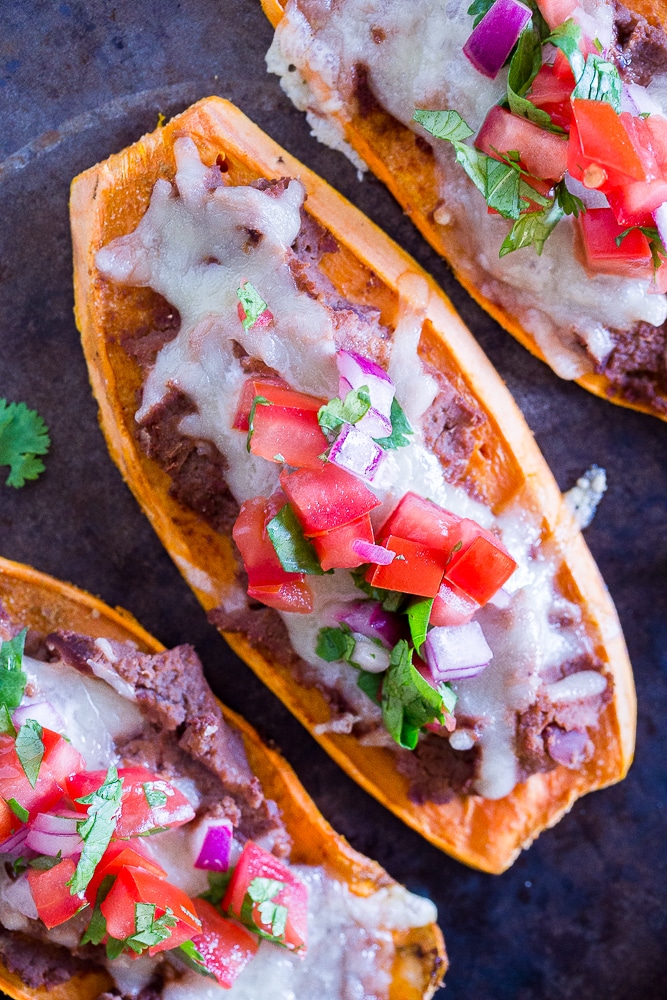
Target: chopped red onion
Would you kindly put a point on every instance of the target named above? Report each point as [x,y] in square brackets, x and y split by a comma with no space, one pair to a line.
[65,822]
[495,36]
[373,553]
[65,844]
[15,842]
[457,651]
[356,371]
[356,452]
[216,848]
[370,619]
[42,712]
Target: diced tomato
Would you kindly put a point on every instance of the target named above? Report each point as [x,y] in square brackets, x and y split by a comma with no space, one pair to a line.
[481,565]
[599,230]
[552,94]
[132,886]
[620,200]
[268,582]
[51,894]
[289,435]
[326,498]
[415,570]
[541,153]
[278,391]
[555,12]
[563,70]
[137,816]
[9,822]
[118,854]
[59,758]
[599,144]
[452,607]
[254,863]
[224,945]
[421,521]
[334,550]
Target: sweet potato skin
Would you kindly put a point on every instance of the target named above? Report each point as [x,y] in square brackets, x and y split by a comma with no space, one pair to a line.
[506,465]
[45,604]
[390,151]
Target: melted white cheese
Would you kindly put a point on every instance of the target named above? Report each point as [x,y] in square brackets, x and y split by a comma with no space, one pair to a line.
[420,64]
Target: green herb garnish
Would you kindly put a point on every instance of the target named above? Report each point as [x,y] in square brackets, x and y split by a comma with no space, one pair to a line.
[252,302]
[257,401]
[18,810]
[370,684]
[23,436]
[337,412]
[523,69]
[600,81]
[154,796]
[30,749]
[334,644]
[408,701]
[217,887]
[295,552]
[13,679]
[400,428]
[418,614]
[96,831]
[261,892]
[193,959]
[656,246]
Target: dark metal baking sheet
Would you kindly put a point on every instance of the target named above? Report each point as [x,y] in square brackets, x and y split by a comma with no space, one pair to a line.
[582,914]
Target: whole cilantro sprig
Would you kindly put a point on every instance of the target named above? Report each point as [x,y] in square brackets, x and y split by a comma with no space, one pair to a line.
[23,436]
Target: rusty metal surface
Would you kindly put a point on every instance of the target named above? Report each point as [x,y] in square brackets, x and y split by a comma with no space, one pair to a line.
[582,914]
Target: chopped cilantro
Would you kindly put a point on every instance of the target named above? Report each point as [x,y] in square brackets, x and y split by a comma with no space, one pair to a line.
[7,727]
[523,69]
[18,810]
[600,81]
[656,246]
[569,202]
[408,701]
[449,697]
[19,866]
[260,893]
[217,887]
[45,862]
[567,37]
[391,600]
[478,8]
[295,552]
[150,930]
[532,229]
[337,412]
[23,436]
[96,929]
[370,684]
[335,644]
[193,958]
[400,428]
[12,677]
[257,401]
[30,749]
[418,614]
[252,302]
[96,831]
[154,796]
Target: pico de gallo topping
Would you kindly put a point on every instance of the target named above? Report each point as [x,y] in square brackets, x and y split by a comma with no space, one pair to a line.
[424,570]
[82,838]
[567,126]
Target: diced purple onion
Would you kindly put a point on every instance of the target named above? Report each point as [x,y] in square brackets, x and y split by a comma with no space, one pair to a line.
[13,843]
[373,553]
[42,712]
[568,748]
[50,834]
[370,619]
[356,452]
[216,848]
[356,371]
[373,423]
[495,36]
[64,822]
[456,651]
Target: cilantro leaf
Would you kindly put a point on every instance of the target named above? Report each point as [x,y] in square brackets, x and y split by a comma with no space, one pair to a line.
[532,229]
[45,862]
[408,701]
[217,887]
[444,124]
[193,958]
[449,697]
[523,69]
[478,8]
[252,302]
[23,436]
[18,810]
[97,925]
[337,412]
[335,644]
[7,727]
[150,931]
[656,246]
[30,749]
[261,892]
[391,600]
[600,81]
[567,37]
[96,831]
[400,428]
[12,678]
[257,401]
[418,614]
[295,552]
[154,796]
[569,202]
[370,684]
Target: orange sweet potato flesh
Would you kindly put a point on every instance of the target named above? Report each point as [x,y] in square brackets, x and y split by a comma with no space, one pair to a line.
[506,465]
[45,604]
[390,151]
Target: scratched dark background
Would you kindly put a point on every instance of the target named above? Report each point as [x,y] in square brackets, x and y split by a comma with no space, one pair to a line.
[582,914]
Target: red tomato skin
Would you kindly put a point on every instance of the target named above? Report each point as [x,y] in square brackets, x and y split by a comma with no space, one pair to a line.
[419,570]
[334,550]
[9,822]
[133,885]
[296,597]
[225,946]
[421,521]
[481,566]
[326,498]
[541,153]
[119,854]
[255,862]
[49,786]
[52,897]
[262,385]
[555,12]
[136,816]
[599,230]
[290,435]
[600,139]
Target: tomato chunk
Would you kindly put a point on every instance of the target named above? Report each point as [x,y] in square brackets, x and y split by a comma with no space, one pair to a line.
[326,498]
[555,12]
[58,758]
[541,153]
[51,894]
[254,863]
[599,230]
[334,550]
[452,607]
[416,569]
[421,521]
[167,806]
[600,145]
[262,385]
[118,854]
[224,945]
[289,435]
[132,886]
[481,565]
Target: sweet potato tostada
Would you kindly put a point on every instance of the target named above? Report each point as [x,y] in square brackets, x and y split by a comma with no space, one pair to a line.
[553,716]
[203,760]
[584,294]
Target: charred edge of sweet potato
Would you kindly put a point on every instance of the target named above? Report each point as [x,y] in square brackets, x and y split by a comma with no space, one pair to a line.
[395,155]
[485,834]
[44,603]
